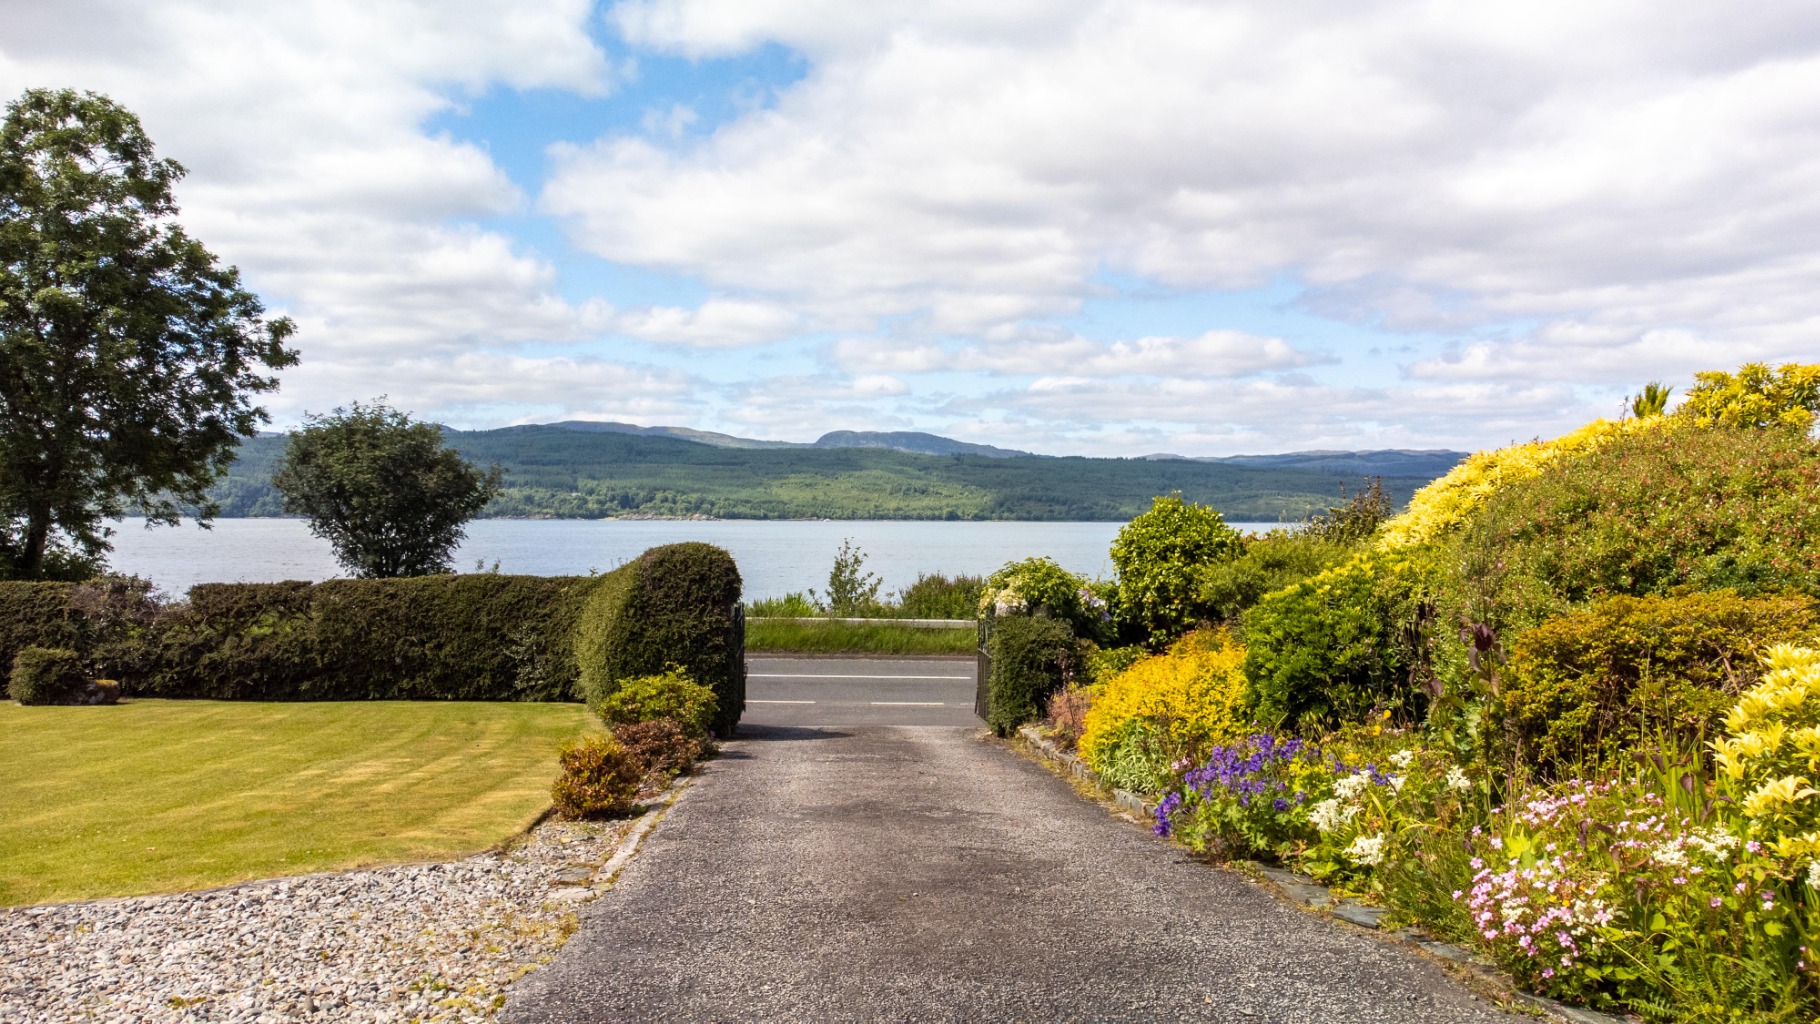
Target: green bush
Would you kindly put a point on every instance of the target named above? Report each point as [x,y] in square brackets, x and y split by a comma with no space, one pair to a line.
[1225,590]
[34,614]
[1029,657]
[1579,691]
[600,778]
[934,596]
[47,675]
[671,694]
[1651,512]
[673,605]
[661,747]
[1039,586]
[477,637]
[1341,644]
[1157,556]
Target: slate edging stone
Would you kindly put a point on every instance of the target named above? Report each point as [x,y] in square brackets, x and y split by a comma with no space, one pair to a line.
[1312,895]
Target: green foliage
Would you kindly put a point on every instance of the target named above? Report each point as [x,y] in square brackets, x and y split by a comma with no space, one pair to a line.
[382,490]
[660,746]
[554,472]
[668,695]
[130,352]
[1339,645]
[673,605]
[1039,585]
[46,675]
[1652,402]
[1581,691]
[1157,555]
[934,596]
[600,778]
[38,614]
[1652,512]
[877,636]
[474,637]
[1099,665]
[851,589]
[1225,590]
[1755,396]
[794,605]
[1357,519]
[1029,657]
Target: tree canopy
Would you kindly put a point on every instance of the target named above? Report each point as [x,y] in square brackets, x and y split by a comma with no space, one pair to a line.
[383,490]
[129,354]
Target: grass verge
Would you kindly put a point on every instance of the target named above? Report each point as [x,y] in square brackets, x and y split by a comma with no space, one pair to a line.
[161,796]
[882,637]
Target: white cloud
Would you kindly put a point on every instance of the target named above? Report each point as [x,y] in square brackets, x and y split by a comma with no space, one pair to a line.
[716,323]
[1215,354]
[302,127]
[1596,168]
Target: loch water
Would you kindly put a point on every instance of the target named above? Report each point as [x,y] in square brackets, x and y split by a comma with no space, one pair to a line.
[775,557]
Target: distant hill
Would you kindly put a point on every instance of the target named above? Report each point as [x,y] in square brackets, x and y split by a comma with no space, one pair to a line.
[914,441]
[1429,463]
[587,470]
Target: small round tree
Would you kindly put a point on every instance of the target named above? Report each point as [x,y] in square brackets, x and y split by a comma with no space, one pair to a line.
[385,491]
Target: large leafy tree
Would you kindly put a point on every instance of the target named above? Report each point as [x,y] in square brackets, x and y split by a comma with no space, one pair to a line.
[383,490]
[128,354]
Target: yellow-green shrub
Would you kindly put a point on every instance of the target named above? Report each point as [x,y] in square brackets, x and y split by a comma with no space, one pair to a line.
[1166,707]
[1771,757]
[600,778]
[670,694]
[1451,500]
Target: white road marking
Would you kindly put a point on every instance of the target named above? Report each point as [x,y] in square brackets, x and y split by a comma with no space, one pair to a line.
[908,704]
[751,701]
[793,675]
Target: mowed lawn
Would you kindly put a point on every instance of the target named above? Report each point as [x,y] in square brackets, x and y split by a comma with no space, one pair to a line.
[160,796]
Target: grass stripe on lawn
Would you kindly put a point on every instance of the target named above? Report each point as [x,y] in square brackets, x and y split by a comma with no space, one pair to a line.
[161,796]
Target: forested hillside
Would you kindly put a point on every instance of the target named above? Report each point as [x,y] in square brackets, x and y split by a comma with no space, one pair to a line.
[556,472]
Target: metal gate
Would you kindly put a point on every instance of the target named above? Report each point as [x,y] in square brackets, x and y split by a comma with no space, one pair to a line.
[982,695]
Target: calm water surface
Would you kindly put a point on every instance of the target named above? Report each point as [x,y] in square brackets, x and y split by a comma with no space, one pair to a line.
[774,557]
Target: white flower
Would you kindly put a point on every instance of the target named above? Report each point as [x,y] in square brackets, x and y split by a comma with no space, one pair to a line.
[1367,850]
[1331,814]
[1813,875]
[1008,602]
[1669,855]
[1350,786]
[1403,758]
[1396,782]
[1457,780]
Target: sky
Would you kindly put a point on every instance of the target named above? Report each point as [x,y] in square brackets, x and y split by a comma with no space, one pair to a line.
[1070,227]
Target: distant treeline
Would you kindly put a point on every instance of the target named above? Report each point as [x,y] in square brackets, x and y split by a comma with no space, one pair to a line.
[556,473]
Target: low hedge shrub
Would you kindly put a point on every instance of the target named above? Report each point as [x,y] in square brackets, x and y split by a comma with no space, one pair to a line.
[47,675]
[661,747]
[669,695]
[600,778]
[1029,656]
[1580,691]
[1340,645]
[673,605]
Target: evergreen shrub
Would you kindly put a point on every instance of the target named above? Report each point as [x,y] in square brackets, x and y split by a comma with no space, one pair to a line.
[1225,590]
[1029,657]
[660,746]
[38,614]
[1157,556]
[47,675]
[1580,691]
[669,695]
[1347,642]
[600,778]
[673,605]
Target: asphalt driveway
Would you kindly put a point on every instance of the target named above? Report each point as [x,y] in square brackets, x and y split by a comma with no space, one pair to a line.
[830,867]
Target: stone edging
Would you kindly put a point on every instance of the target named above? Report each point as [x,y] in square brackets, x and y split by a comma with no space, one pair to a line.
[1312,895]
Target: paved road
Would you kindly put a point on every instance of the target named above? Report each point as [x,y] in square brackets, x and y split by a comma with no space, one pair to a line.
[833,868]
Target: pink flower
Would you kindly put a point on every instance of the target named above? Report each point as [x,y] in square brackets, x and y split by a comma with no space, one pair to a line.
[1715,903]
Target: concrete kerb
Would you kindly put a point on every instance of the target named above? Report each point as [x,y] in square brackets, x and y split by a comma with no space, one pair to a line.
[1311,895]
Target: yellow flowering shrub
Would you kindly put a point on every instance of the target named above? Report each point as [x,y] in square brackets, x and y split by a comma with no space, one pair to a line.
[1451,500]
[1184,701]
[1770,756]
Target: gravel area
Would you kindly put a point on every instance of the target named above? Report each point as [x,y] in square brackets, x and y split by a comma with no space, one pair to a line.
[430,942]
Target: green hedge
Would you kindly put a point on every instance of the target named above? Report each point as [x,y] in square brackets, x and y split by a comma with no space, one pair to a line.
[674,605]
[1028,656]
[476,637]
[1581,690]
